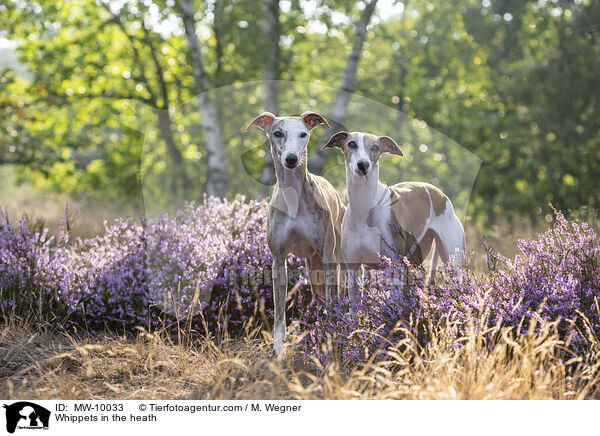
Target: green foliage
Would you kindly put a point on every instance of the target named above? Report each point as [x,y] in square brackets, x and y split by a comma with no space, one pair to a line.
[544,146]
[514,82]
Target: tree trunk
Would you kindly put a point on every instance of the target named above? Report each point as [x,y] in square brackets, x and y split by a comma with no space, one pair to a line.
[164,119]
[319,157]
[272,33]
[218,29]
[165,123]
[401,61]
[216,170]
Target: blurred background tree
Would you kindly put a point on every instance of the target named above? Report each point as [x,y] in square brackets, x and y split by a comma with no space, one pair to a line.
[103,99]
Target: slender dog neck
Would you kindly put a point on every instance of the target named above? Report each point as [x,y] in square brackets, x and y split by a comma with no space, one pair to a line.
[291,182]
[364,193]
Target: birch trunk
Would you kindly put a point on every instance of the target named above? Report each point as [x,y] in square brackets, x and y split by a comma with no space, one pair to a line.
[319,157]
[401,61]
[216,168]
[272,32]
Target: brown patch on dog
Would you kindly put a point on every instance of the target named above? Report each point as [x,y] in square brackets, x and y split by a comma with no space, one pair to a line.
[411,205]
[438,199]
[410,210]
[404,241]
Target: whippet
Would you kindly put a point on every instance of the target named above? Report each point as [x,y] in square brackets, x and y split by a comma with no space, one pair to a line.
[305,213]
[404,219]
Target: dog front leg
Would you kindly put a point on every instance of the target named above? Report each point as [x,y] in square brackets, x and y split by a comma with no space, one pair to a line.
[400,278]
[280,279]
[316,272]
[342,288]
[331,280]
[331,259]
[353,279]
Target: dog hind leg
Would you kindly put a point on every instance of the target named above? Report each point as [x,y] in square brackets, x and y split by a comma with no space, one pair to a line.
[435,257]
[450,240]
[316,271]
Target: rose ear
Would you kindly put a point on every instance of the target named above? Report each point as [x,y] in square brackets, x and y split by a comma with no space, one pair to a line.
[336,140]
[313,119]
[263,121]
[388,145]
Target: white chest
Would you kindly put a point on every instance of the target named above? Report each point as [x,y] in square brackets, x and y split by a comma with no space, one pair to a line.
[295,234]
[299,225]
[364,236]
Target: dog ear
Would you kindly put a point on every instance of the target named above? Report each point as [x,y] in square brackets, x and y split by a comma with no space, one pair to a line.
[313,119]
[263,121]
[336,140]
[388,145]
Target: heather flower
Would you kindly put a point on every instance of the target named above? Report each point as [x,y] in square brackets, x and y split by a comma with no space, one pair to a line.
[143,273]
[209,266]
[556,277]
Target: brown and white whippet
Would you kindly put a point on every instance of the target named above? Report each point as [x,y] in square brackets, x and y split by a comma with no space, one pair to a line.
[404,219]
[305,213]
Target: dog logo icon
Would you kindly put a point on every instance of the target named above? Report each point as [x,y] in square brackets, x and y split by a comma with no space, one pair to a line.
[26,415]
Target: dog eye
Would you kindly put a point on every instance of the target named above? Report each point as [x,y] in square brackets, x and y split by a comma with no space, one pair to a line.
[352,144]
[278,134]
[375,148]
[303,135]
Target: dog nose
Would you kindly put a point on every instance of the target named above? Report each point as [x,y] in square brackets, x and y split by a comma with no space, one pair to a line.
[363,166]
[291,160]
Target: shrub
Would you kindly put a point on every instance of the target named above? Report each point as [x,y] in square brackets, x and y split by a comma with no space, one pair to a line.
[209,266]
[26,270]
[556,277]
[146,273]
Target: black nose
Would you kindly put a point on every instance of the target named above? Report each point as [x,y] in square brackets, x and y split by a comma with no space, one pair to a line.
[291,160]
[363,166]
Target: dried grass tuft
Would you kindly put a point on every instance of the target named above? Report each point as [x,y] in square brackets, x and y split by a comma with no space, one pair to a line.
[493,364]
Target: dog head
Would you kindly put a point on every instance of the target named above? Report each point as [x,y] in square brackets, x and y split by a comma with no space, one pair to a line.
[362,150]
[288,135]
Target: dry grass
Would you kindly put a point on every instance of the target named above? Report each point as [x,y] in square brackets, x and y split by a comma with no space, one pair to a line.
[42,366]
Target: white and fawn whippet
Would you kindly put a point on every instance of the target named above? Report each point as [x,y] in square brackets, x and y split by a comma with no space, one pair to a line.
[404,219]
[305,213]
